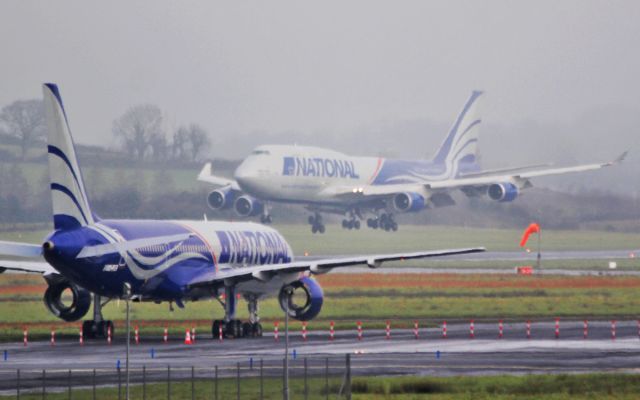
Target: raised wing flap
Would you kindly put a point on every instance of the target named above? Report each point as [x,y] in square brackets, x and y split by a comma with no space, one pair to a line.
[319,266]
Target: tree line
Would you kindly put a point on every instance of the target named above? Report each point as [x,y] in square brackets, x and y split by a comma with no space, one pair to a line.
[140,132]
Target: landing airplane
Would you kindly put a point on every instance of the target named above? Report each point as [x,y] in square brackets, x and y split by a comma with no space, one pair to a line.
[327,181]
[163,261]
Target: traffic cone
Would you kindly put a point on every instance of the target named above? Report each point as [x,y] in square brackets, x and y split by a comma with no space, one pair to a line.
[187,337]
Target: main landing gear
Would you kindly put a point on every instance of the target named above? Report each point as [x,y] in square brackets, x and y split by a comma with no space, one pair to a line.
[385,221]
[97,327]
[234,328]
[317,226]
[352,223]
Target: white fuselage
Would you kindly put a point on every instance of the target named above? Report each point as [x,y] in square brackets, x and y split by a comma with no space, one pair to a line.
[301,173]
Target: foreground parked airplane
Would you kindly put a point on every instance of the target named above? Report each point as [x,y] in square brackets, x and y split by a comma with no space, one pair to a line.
[326,181]
[172,261]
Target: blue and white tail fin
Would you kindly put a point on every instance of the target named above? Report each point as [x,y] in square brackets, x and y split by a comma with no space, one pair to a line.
[459,151]
[70,204]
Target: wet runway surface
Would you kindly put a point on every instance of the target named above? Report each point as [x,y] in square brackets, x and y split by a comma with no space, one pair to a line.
[402,353]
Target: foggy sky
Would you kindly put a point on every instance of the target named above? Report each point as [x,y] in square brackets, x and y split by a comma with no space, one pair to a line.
[561,78]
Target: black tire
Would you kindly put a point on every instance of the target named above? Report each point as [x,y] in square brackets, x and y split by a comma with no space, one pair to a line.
[321,228]
[356,224]
[375,223]
[383,220]
[314,229]
[247,330]
[345,223]
[257,329]
[215,329]
[89,329]
[394,227]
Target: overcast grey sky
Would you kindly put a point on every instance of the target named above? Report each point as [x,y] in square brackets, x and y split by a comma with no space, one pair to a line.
[362,72]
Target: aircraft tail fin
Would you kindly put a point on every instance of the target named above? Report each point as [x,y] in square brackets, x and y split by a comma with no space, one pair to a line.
[70,204]
[459,151]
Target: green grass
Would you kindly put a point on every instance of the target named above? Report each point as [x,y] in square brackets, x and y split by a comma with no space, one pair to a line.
[416,237]
[556,387]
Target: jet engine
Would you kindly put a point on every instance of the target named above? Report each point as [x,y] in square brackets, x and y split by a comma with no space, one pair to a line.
[247,206]
[69,311]
[503,192]
[221,199]
[408,202]
[302,298]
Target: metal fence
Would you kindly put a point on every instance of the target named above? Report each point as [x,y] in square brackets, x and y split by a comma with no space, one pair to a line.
[309,378]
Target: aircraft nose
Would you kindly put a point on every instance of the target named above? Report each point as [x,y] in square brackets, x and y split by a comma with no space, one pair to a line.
[245,174]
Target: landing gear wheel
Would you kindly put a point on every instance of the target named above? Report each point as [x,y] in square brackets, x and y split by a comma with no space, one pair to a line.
[247,330]
[215,329]
[314,229]
[345,223]
[89,329]
[356,224]
[257,329]
[321,228]
[234,329]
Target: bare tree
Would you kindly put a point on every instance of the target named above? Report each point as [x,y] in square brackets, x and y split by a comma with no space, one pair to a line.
[199,140]
[24,119]
[137,128]
[180,142]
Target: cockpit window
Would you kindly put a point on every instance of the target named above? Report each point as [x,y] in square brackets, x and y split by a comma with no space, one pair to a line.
[265,152]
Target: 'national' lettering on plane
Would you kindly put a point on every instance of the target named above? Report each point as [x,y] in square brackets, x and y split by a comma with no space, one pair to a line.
[321,167]
[252,248]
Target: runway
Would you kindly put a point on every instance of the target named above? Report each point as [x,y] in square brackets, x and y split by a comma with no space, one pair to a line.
[430,354]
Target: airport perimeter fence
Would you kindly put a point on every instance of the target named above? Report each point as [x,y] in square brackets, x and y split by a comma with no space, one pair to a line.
[309,379]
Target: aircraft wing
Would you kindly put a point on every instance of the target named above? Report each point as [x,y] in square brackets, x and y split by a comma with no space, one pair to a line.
[521,177]
[206,175]
[319,266]
[474,180]
[29,267]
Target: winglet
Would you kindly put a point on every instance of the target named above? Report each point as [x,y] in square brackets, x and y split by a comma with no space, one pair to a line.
[621,157]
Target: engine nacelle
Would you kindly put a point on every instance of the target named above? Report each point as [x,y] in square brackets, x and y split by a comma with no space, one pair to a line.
[80,300]
[221,199]
[503,192]
[408,202]
[247,206]
[312,298]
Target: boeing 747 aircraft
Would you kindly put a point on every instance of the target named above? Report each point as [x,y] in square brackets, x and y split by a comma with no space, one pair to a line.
[327,181]
[163,261]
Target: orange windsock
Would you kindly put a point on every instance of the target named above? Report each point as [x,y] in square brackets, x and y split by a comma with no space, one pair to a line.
[533,228]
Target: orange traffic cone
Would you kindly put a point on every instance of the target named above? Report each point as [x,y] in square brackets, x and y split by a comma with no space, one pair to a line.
[187,337]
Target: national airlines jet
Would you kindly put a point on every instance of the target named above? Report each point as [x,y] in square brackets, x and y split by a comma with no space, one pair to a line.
[327,181]
[163,261]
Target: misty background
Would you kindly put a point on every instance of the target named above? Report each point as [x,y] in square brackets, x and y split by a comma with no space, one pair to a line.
[362,77]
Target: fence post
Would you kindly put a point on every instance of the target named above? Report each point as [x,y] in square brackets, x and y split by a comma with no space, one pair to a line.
[261,380]
[348,388]
[44,384]
[193,382]
[216,384]
[238,381]
[18,385]
[144,382]
[326,378]
[306,386]
[94,384]
[168,382]
[69,383]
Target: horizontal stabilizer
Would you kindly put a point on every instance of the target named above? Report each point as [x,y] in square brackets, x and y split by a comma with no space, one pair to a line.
[13,249]
[120,247]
